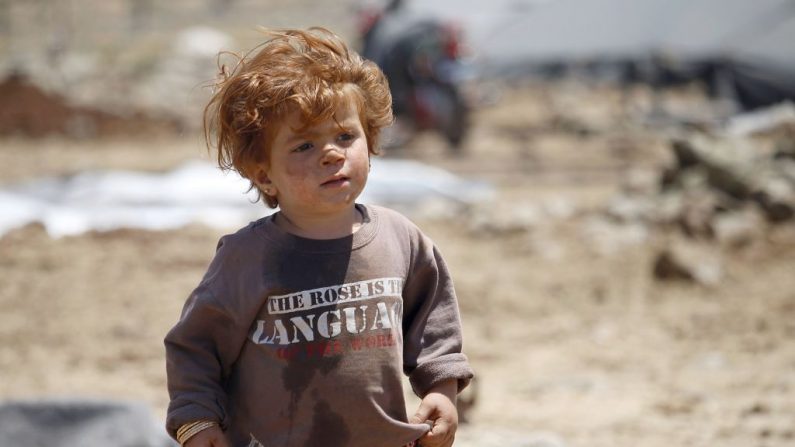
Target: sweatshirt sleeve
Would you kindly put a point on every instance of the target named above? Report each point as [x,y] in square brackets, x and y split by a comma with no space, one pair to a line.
[200,350]
[432,325]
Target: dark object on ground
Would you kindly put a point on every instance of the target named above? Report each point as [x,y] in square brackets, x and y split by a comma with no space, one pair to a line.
[83,423]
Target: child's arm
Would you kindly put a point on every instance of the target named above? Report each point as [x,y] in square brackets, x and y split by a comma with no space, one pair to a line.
[196,362]
[437,368]
[438,407]
[432,339]
[200,350]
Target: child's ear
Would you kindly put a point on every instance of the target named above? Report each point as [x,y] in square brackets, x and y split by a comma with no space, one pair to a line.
[261,176]
[263,181]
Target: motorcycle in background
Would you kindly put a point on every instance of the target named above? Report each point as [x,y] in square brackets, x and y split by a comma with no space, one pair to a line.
[423,60]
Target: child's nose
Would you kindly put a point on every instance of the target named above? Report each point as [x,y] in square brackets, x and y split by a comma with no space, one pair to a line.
[333,154]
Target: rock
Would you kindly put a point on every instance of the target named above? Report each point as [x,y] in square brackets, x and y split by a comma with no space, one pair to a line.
[500,221]
[639,182]
[545,245]
[763,120]
[667,267]
[558,208]
[629,208]
[607,237]
[786,167]
[777,198]
[697,212]
[717,177]
[725,163]
[785,149]
[690,262]
[738,229]
[84,423]
[686,156]
[668,207]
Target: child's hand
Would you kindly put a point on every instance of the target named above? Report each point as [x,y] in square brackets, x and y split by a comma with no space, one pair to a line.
[210,437]
[438,406]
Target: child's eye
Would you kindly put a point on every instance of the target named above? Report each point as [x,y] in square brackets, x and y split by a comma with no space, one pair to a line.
[303,147]
[347,136]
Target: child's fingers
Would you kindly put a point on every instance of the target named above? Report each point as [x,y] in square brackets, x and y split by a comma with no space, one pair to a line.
[440,436]
[422,415]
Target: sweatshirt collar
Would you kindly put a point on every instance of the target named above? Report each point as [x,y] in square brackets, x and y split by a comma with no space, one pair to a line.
[360,238]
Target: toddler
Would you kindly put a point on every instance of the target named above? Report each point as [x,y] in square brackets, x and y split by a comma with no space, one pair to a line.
[305,320]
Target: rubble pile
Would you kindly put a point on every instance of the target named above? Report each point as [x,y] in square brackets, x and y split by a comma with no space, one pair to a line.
[156,88]
[716,179]
[721,193]
[28,111]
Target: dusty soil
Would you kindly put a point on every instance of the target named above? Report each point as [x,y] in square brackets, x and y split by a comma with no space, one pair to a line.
[572,345]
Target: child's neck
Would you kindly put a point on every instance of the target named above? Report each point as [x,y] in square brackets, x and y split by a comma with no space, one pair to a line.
[320,227]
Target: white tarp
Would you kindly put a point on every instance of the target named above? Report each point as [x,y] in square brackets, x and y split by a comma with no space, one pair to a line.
[199,192]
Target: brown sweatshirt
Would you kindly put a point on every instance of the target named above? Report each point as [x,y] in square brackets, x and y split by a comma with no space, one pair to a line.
[289,341]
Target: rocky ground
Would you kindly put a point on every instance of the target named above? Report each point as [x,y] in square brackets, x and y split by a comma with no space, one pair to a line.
[630,285]
[575,339]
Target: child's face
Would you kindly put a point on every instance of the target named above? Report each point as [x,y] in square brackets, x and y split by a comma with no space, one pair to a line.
[320,170]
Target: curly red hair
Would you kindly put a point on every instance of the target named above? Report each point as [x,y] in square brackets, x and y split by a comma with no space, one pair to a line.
[312,71]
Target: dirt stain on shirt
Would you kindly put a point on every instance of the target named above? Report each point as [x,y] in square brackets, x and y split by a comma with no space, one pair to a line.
[328,428]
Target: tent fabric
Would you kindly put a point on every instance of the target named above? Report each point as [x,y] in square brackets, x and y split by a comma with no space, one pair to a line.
[761,84]
[748,43]
[775,45]
[572,30]
[763,65]
[563,30]
[708,28]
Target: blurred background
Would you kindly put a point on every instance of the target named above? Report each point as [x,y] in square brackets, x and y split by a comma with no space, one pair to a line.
[611,181]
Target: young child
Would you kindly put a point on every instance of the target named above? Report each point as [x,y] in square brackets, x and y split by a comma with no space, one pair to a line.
[305,320]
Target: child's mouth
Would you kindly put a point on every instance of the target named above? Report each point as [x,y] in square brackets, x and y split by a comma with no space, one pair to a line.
[335,182]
